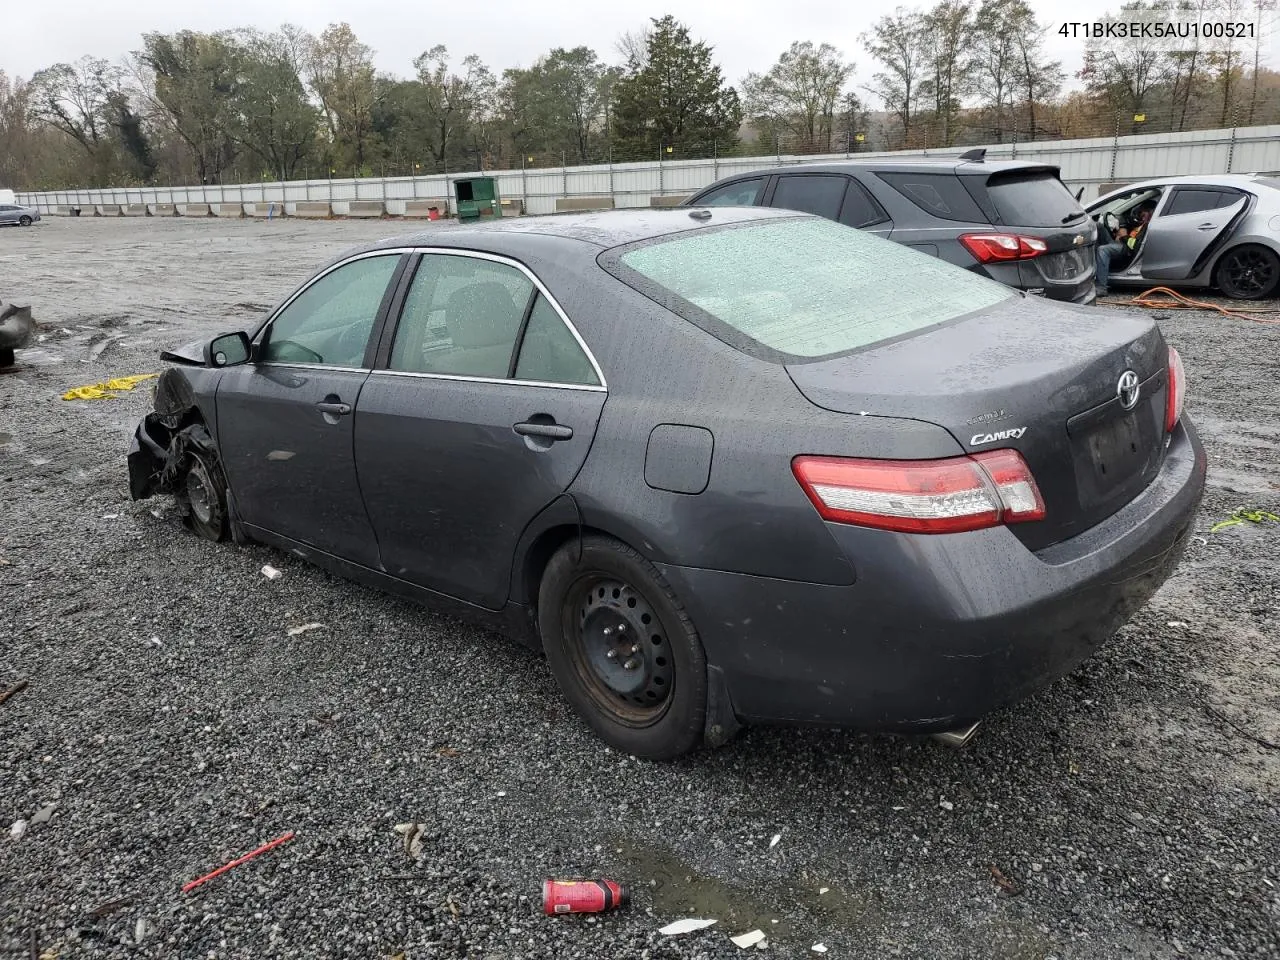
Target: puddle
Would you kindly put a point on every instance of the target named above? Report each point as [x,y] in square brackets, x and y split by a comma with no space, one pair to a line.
[676,890]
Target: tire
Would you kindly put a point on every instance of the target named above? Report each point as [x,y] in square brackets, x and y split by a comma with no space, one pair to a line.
[654,709]
[24,220]
[203,494]
[1249,272]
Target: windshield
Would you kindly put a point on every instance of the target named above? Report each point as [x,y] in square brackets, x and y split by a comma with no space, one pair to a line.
[1033,200]
[803,287]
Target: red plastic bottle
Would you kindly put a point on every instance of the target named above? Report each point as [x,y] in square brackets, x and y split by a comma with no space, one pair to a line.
[582,896]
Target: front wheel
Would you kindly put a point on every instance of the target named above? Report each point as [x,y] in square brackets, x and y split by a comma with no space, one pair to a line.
[1250,272]
[24,220]
[203,492]
[622,648]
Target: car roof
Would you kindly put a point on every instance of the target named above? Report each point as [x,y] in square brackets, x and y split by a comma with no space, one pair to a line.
[1207,180]
[610,228]
[900,165]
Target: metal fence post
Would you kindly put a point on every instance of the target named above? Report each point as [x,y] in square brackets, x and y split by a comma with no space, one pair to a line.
[715,160]
[524,185]
[662,173]
[1115,148]
[612,192]
[564,177]
[1231,150]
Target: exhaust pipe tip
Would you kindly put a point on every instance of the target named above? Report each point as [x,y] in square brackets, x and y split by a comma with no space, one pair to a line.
[959,737]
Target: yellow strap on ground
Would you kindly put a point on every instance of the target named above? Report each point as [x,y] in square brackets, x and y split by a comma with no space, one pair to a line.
[106,390]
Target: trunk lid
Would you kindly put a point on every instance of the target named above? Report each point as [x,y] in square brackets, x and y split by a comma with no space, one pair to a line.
[1033,375]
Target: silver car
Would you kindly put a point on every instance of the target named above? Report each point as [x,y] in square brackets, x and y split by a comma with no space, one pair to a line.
[23,216]
[1206,231]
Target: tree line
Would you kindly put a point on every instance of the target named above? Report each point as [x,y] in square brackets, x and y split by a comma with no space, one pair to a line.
[245,104]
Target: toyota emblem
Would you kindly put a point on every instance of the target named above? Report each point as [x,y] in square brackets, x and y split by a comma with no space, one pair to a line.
[1128,389]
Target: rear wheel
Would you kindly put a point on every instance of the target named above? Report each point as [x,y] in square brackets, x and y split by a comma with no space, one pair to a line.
[24,220]
[622,648]
[203,492]
[1249,273]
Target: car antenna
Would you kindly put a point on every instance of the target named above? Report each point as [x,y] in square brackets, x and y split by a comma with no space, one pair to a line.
[700,214]
[976,155]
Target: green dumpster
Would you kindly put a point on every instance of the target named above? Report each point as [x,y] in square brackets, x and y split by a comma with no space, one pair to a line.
[477,197]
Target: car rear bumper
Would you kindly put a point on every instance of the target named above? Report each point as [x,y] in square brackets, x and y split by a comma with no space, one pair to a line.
[1025,275]
[938,631]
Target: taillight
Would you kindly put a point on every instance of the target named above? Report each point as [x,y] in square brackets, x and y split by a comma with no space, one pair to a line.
[992,247]
[922,496]
[1177,391]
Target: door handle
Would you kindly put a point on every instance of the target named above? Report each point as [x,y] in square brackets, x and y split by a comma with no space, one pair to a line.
[334,409]
[1207,226]
[550,431]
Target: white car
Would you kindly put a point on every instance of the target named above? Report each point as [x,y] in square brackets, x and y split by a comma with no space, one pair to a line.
[1206,231]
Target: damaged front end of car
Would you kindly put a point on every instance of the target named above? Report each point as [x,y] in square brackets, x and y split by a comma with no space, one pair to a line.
[161,442]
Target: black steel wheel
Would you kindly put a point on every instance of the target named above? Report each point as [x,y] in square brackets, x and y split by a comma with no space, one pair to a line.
[203,492]
[24,220]
[622,648]
[1250,272]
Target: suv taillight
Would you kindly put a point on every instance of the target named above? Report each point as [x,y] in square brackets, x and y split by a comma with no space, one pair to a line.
[922,496]
[1177,392]
[994,247]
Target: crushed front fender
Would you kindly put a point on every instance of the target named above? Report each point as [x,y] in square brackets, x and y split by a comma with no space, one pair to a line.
[148,456]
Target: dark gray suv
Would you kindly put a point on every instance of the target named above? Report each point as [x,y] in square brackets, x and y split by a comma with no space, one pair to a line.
[1014,222]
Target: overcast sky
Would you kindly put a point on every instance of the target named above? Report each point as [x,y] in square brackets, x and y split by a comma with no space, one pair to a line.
[747,34]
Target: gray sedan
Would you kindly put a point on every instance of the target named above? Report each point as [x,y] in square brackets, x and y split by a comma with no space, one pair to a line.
[11,213]
[1206,231]
[721,465]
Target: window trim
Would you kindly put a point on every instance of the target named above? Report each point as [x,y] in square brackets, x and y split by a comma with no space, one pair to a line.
[1198,188]
[379,319]
[392,327]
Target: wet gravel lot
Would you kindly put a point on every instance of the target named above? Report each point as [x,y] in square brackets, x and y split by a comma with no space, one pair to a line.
[171,723]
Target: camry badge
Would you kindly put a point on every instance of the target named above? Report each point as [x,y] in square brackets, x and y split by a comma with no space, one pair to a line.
[1128,389]
[980,438]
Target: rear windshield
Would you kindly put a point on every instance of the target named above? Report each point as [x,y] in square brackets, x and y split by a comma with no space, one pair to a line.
[1033,200]
[801,288]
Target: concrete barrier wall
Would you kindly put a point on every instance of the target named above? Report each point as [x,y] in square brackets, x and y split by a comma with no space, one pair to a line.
[193,209]
[230,210]
[268,209]
[135,210]
[512,208]
[312,208]
[667,201]
[106,210]
[565,204]
[365,208]
[162,209]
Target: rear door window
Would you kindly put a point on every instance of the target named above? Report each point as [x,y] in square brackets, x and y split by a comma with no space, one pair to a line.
[1186,200]
[819,195]
[1033,200]
[741,193]
[860,208]
[800,288]
[461,317]
[941,194]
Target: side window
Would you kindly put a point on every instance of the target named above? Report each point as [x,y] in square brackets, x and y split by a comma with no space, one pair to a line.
[860,208]
[549,351]
[743,193]
[461,317]
[330,322]
[810,194]
[1195,201]
[940,194]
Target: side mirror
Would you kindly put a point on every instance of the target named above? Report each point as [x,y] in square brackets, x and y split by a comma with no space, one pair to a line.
[227,350]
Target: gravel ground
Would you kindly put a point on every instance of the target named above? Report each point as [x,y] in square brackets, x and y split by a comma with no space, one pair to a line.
[171,723]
